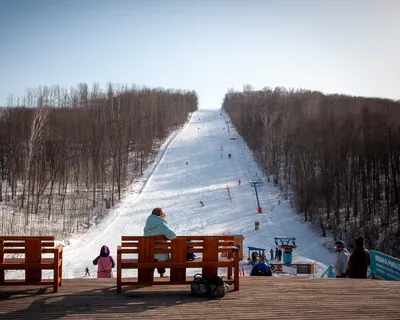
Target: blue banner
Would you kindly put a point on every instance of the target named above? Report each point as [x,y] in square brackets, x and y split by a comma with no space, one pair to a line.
[384,266]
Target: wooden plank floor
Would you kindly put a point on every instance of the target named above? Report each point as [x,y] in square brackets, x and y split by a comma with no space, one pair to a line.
[258,298]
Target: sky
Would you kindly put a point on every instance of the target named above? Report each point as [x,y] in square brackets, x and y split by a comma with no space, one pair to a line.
[336,46]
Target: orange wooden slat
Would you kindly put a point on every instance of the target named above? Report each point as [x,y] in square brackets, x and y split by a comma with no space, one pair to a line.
[14,250]
[129,245]
[130,238]
[47,243]
[134,264]
[159,244]
[27,238]
[190,250]
[8,244]
[194,243]
[129,251]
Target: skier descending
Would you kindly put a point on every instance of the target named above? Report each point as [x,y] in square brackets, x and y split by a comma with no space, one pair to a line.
[202,203]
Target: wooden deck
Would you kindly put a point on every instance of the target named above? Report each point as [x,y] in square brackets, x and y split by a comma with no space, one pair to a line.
[258,298]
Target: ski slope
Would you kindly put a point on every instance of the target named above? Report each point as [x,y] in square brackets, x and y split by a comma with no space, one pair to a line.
[178,187]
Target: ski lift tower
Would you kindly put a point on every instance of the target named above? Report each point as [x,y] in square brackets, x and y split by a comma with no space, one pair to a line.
[287,246]
[255,184]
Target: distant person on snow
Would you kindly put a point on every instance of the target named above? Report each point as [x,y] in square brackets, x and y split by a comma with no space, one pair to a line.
[279,254]
[104,263]
[342,258]
[261,269]
[359,261]
[254,257]
[202,203]
[156,225]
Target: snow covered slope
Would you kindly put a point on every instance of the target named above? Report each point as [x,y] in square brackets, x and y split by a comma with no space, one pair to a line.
[178,188]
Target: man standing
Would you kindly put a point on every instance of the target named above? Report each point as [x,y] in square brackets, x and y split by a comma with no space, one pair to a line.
[342,258]
[359,260]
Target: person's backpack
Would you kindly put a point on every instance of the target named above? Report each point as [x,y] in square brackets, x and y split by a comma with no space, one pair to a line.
[211,288]
[190,256]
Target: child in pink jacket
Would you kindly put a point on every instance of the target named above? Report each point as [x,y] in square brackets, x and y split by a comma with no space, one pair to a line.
[104,263]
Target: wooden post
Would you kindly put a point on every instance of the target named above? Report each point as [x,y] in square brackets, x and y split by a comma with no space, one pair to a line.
[2,279]
[61,264]
[119,269]
[56,275]
[33,253]
[239,244]
[236,275]
[146,254]
[178,254]
[210,253]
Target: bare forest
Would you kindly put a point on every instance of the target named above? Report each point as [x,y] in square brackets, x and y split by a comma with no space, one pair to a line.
[66,156]
[336,157]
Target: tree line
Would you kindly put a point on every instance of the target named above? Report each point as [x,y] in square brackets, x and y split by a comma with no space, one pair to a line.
[336,156]
[67,155]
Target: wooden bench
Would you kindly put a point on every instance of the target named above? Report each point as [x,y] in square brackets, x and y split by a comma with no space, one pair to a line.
[33,262]
[144,248]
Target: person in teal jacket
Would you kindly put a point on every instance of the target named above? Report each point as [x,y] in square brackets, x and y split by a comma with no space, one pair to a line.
[156,225]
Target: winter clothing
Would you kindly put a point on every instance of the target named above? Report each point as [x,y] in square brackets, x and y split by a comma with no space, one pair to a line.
[342,258]
[279,254]
[359,261]
[157,226]
[104,263]
[261,269]
[340,243]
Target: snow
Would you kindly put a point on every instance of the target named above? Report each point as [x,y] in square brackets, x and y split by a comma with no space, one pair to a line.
[178,188]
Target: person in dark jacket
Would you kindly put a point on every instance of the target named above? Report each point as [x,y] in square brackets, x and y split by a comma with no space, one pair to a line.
[271,252]
[359,260]
[261,269]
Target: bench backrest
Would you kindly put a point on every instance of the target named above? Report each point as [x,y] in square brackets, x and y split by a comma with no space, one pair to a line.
[31,246]
[145,247]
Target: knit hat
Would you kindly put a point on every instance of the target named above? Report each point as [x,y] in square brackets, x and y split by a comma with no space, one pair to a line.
[360,242]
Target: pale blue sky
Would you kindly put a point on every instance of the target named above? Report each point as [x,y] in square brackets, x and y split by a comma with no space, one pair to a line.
[209,46]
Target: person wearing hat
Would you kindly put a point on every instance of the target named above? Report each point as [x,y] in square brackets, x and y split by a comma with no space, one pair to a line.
[261,269]
[359,260]
[342,258]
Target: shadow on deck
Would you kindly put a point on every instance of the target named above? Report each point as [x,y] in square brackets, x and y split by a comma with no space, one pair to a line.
[259,297]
